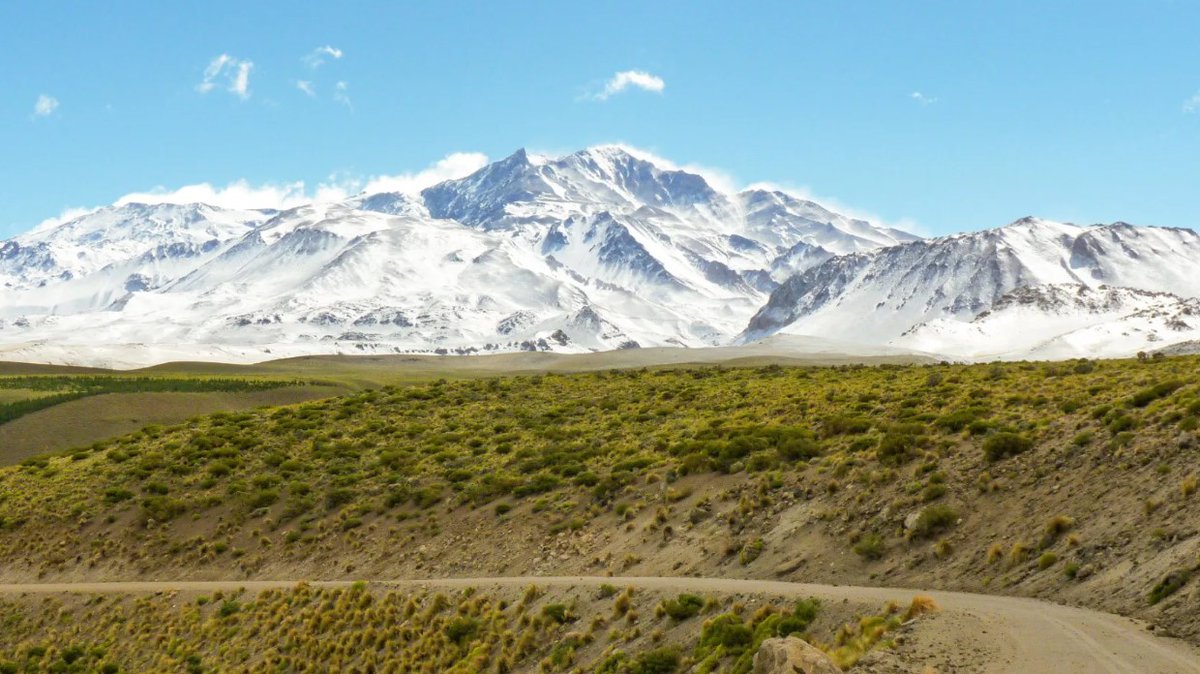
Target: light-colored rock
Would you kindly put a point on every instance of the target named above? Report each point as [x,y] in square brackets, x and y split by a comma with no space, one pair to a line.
[792,656]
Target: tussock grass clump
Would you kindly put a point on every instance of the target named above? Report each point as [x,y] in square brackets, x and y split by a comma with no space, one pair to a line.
[1055,527]
[1170,584]
[932,520]
[683,607]
[1189,485]
[1003,445]
[870,547]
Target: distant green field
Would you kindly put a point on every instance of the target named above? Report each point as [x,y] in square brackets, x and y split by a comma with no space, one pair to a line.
[51,408]
[42,413]
[82,422]
[41,391]
[17,395]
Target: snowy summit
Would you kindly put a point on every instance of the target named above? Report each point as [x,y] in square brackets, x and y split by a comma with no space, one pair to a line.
[606,248]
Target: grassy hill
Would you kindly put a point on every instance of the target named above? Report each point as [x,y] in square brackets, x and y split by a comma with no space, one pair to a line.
[1074,481]
[74,406]
[374,627]
[47,411]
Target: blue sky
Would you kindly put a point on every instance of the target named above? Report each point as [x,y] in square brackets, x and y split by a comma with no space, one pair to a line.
[947,116]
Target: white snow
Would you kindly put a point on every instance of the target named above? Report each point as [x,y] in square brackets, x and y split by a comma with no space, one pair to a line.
[601,249]
[1034,288]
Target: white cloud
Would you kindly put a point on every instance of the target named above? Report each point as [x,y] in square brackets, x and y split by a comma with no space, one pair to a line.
[67,215]
[306,87]
[232,73]
[340,95]
[625,79]
[316,57]
[1192,104]
[802,192]
[720,180]
[242,194]
[45,106]
[922,98]
[450,167]
[238,194]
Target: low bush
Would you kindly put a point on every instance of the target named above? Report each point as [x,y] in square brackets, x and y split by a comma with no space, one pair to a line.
[1000,446]
[934,519]
[683,607]
[870,547]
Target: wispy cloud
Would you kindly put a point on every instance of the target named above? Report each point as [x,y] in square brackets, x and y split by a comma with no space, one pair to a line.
[243,194]
[341,95]
[1192,105]
[922,98]
[230,72]
[626,79]
[237,194]
[45,106]
[450,167]
[67,215]
[306,87]
[315,58]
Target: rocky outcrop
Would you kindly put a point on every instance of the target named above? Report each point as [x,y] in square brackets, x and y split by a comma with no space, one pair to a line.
[792,656]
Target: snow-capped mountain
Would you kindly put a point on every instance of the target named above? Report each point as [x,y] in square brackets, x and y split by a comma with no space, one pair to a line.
[1064,321]
[606,248]
[601,249]
[1027,289]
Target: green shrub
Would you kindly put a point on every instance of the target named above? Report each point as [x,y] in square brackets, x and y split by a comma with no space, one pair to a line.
[959,420]
[726,631]
[751,551]
[263,498]
[934,519]
[557,612]
[658,661]
[161,508]
[1161,390]
[683,607]
[338,497]
[1003,445]
[462,630]
[898,447]
[228,608]
[870,547]
[116,495]
[1169,585]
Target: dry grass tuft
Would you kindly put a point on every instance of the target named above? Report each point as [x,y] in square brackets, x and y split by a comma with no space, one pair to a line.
[920,605]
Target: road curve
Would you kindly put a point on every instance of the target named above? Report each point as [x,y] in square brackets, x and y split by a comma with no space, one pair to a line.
[1025,636]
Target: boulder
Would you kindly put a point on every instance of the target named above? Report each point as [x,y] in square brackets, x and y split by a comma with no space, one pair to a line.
[792,656]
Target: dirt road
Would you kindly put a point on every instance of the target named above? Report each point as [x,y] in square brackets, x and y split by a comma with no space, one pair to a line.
[979,633]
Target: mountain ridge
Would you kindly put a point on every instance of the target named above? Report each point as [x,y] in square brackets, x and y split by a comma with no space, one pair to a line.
[957,278]
[599,249]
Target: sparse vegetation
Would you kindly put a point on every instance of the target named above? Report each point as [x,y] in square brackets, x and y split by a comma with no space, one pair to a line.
[50,390]
[616,472]
[358,628]
[933,520]
[870,547]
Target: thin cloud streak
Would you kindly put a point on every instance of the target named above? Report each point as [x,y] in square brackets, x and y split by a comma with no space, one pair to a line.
[626,79]
[317,57]
[242,194]
[922,98]
[231,72]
